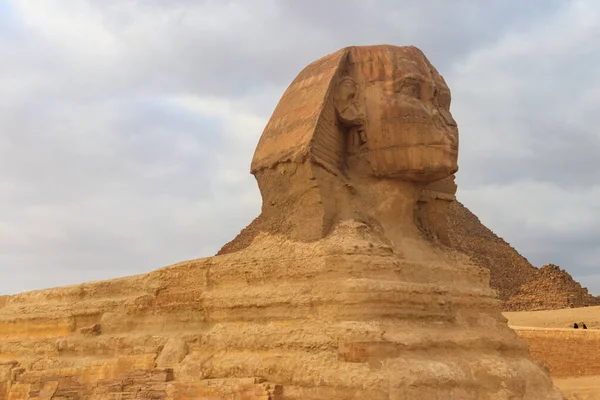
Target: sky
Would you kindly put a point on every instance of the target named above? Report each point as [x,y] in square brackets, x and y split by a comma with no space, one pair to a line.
[127,127]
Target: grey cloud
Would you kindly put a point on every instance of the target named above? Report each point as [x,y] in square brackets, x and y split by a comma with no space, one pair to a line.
[529,147]
[181,47]
[561,154]
[114,196]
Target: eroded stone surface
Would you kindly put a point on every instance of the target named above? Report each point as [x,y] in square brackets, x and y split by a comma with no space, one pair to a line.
[336,294]
[172,353]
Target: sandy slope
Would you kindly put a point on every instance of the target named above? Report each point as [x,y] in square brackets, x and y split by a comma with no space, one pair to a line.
[556,318]
[580,388]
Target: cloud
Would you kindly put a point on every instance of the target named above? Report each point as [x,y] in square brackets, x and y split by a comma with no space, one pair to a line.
[152,185]
[529,98]
[128,127]
[529,145]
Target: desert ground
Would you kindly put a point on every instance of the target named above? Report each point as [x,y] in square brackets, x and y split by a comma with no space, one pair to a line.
[563,319]
[585,387]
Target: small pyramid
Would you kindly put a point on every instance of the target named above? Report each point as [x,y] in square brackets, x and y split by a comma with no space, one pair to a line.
[551,288]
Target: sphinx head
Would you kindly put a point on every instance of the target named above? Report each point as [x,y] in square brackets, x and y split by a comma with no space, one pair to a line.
[369,114]
[395,110]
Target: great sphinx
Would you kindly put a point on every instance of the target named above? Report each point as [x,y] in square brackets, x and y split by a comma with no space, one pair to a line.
[341,289]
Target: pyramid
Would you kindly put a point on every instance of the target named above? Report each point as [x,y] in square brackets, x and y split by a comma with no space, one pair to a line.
[341,289]
[551,288]
[520,285]
[508,269]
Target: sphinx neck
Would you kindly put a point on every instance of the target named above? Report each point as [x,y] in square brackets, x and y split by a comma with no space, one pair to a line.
[392,204]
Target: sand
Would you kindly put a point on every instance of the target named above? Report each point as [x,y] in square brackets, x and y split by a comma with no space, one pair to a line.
[556,318]
[580,388]
[575,388]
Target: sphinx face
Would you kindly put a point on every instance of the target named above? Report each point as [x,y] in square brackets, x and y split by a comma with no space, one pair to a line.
[409,132]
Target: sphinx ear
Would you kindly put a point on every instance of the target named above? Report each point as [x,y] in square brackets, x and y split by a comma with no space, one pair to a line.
[348,107]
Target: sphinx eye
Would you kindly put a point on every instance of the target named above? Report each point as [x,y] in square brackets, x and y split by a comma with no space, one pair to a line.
[348,92]
[350,95]
[444,100]
[435,99]
[411,87]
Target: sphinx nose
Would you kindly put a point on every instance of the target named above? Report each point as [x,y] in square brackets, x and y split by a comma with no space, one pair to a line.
[452,139]
[447,117]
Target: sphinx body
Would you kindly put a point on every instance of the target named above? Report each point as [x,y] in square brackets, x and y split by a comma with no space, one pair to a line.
[341,289]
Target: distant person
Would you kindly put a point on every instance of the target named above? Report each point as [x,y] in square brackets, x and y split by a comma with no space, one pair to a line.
[575,325]
[584,327]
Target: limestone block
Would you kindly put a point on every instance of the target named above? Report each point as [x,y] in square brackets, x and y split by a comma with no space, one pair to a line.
[173,352]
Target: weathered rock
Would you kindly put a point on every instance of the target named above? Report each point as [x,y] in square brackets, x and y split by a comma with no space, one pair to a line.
[92,330]
[334,293]
[173,352]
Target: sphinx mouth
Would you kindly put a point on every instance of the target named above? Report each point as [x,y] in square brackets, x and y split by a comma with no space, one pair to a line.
[443,146]
[452,141]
